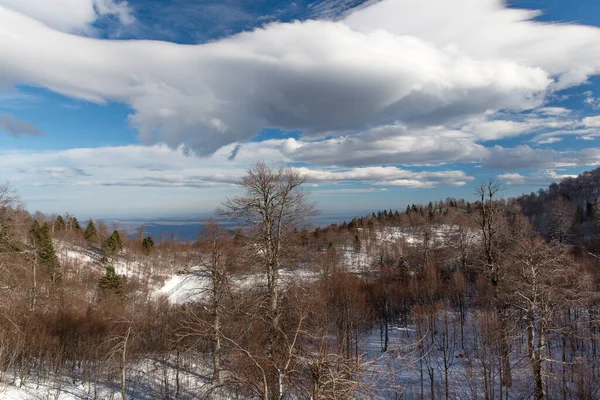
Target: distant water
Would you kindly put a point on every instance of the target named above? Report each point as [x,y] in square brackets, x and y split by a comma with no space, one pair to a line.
[185,230]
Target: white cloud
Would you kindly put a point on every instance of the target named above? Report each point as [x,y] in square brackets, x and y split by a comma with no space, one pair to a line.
[54,172]
[553,111]
[523,157]
[485,129]
[343,191]
[388,176]
[393,144]
[588,157]
[541,178]
[398,82]
[592,122]
[550,140]
[75,16]
[391,62]
[490,30]
[103,180]
[592,101]
[158,166]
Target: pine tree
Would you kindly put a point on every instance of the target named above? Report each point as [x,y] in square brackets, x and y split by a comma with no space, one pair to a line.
[59,224]
[110,283]
[112,246]
[147,245]
[118,240]
[91,234]
[74,223]
[41,241]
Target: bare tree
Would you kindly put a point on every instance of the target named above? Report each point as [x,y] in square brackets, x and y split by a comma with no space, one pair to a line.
[8,203]
[216,257]
[272,208]
[541,279]
[489,220]
[562,216]
[120,343]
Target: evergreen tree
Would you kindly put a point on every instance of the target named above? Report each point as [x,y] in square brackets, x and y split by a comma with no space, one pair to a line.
[74,223]
[39,236]
[353,225]
[147,245]
[110,283]
[91,234]
[356,244]
[59,224]
[35,232]
[118,240]
[112,246]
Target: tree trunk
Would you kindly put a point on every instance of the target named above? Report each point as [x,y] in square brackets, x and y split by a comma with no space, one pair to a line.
[564,366]
[34,286]
[216,346]
[177,384]
[123,364]
[534,351]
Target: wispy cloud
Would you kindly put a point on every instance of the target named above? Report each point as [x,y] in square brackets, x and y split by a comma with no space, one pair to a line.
[591,101]
[541,178]
[17,128]
[54,172]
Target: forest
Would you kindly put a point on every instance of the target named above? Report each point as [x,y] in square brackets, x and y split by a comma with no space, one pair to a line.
[486,298]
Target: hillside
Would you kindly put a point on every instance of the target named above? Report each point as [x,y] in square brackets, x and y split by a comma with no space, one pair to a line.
[432,301]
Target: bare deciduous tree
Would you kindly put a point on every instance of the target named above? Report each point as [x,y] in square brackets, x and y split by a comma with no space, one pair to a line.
[489,220]
[273,206]
[216,257]
[542,278]
[561,219]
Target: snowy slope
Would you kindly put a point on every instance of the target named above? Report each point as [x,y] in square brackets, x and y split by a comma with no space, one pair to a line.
[195,286]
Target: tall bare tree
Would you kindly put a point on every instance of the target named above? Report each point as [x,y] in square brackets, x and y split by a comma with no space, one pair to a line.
[272,208]
[491,219]
[216,247]
[542,279]
[561,218]
[8,235]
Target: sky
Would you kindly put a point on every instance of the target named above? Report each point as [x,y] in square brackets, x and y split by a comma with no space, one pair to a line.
[156,108]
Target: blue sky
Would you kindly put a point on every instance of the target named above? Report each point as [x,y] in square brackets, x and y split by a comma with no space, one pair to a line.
[156,108]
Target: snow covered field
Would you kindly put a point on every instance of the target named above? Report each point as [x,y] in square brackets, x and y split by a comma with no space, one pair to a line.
[146,380]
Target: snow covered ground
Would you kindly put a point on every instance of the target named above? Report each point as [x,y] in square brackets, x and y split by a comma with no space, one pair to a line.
[440,235]
[146,380]
[195,284]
